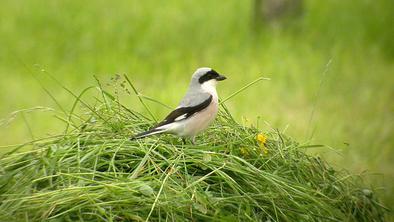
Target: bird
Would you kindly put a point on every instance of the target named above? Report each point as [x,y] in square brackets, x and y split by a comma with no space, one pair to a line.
[196,111]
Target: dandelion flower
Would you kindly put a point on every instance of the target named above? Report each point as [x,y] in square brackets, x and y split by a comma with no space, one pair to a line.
[262,139]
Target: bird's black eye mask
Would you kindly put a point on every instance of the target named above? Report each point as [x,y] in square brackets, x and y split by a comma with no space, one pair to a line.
[211,75]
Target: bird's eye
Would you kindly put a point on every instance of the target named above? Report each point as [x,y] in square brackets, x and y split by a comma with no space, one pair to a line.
[208,76]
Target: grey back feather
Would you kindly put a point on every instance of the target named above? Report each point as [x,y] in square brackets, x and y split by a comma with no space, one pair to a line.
[194,98]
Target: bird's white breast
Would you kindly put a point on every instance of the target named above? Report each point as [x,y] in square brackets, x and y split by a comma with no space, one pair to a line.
[201,120]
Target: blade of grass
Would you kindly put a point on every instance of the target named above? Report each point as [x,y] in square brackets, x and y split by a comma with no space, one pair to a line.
[243,89]
[140,98]
[317,97]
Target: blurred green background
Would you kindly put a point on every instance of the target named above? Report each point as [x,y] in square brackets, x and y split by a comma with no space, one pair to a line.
[335,61]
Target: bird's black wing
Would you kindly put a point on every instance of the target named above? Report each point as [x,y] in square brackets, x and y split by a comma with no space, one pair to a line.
[182,113]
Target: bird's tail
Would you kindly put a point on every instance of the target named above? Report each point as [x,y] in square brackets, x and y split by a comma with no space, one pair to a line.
[148,133]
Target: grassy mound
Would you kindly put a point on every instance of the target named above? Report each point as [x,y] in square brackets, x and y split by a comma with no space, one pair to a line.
[94,172]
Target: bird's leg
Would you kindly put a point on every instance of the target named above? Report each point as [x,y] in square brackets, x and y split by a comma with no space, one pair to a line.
[194,140]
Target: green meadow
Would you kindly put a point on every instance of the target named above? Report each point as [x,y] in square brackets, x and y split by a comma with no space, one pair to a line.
[331,71]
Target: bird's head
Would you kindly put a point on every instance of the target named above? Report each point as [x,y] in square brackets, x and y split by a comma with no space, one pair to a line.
[206,77]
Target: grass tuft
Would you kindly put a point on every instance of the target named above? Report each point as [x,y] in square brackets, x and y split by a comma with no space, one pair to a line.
[94,172]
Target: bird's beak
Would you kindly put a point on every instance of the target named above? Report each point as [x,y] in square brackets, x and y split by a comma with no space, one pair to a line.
[220,78]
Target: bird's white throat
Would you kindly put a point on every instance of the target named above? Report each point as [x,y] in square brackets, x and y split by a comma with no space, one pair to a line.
[210,87]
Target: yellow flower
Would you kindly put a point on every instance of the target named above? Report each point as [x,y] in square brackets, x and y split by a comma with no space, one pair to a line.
[261,139]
